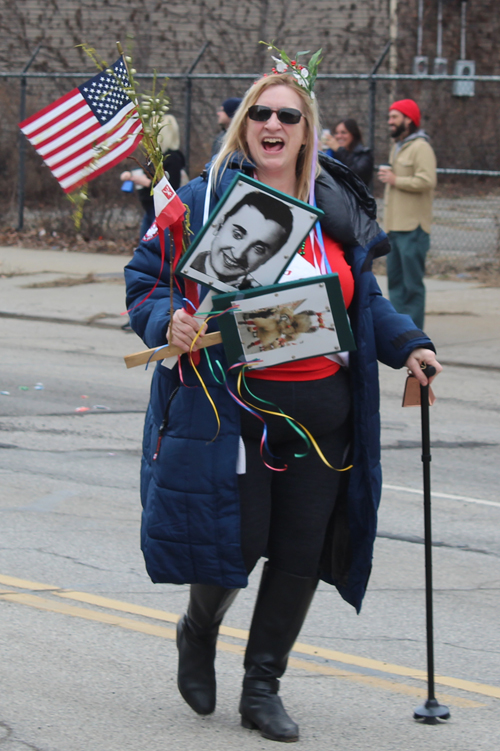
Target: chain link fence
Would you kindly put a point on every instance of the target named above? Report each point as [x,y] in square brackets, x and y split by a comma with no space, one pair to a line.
[464,132]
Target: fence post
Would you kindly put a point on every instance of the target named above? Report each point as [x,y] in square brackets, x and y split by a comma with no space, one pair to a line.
[187,112]
[372,99]
[22,145]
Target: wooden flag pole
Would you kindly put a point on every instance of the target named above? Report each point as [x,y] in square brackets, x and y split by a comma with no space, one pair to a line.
[141,358]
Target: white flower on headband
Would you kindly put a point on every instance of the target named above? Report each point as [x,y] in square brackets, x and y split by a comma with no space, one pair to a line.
[281,66]
[304,75]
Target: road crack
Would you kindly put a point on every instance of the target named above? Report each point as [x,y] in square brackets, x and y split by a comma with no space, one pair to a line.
[414,539]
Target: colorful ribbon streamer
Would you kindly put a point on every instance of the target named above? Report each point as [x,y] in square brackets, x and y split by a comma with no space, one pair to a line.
[193,365]
[263,441]
[290,420]
[302,431]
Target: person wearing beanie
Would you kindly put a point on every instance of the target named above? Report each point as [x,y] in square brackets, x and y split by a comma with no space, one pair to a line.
[224,116]
[410,179]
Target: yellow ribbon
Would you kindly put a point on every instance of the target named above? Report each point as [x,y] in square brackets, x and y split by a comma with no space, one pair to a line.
[260,409]
[202,381]
[282,414]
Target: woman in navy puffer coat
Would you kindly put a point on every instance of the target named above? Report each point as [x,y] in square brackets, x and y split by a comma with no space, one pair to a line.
[199,517]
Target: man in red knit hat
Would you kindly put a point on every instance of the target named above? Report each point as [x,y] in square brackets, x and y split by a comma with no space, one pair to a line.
[409,180]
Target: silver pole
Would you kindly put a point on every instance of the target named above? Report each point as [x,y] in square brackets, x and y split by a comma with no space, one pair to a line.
[463,30]
[439,49]
[187,111]
[420,26]
[22,146]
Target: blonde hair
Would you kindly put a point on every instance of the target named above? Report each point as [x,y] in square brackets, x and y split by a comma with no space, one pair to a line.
[235,139]
[168,136]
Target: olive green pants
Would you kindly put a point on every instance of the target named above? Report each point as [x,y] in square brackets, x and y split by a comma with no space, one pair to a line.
[405,272]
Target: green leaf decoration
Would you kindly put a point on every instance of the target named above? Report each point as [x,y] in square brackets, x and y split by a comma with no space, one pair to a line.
[151,106]
[306,81]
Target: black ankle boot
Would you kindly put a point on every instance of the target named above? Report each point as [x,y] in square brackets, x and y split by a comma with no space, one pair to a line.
[262,709]
[280,611]
[196,638]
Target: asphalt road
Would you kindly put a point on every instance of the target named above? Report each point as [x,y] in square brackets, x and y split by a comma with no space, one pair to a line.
[87,651]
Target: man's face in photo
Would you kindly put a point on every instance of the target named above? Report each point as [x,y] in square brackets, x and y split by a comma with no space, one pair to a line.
[244,242]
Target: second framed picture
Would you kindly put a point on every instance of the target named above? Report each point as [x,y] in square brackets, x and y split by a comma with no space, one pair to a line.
[285,322]
[249,239]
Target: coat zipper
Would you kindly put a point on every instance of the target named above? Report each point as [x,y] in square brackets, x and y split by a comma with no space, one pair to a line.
[164,423]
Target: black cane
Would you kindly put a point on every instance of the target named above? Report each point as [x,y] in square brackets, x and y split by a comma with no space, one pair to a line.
[430,712]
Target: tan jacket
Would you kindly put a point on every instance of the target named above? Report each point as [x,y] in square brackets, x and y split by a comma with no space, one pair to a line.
[408,203]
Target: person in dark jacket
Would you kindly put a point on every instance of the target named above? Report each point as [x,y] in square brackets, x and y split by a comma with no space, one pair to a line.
[212,508]
[225,114]
[346,145]
[174,165]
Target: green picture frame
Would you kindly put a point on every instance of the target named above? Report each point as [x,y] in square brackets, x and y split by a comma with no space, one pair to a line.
[250,237]
[284,322]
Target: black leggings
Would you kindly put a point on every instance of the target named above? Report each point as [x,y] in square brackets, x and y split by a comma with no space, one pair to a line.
[284,515]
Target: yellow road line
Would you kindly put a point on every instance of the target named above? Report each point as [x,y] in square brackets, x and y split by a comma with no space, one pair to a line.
[375,682]
[90,615]
[152,629]
[299,648]
[12,581]
[124,607]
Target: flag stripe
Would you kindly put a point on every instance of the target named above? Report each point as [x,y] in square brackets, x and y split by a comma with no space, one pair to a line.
[50,112]
[116,136]
[87,155]
[71,183]
[58,127]
[80,132]
[77,164]
[94,168]
[38,129]
[97,135]
[85,122]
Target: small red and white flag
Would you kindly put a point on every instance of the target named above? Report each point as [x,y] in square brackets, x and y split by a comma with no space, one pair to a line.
[168,206]
[170,212]
[87,131]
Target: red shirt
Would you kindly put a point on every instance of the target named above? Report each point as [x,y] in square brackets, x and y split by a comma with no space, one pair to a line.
[313,368]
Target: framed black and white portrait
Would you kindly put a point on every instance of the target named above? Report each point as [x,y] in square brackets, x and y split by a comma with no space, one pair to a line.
[249,239]
[284,322]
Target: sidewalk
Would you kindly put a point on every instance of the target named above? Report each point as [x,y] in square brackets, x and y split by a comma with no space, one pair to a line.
[99,301]
[462,318]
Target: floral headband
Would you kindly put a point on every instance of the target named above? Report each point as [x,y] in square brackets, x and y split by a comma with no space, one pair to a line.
[305,75]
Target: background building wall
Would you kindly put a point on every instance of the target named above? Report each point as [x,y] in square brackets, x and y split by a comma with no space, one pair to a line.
[167,37]
[465,130]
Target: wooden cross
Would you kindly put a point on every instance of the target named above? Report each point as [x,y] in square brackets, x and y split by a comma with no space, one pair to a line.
[141,358]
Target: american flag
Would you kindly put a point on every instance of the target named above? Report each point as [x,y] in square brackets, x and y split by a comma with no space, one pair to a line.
[87,131]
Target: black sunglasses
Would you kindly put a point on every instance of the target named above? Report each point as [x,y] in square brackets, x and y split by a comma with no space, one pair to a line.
[286,115]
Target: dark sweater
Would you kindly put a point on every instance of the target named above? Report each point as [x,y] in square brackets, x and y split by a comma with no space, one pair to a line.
[360,160]
[173,163]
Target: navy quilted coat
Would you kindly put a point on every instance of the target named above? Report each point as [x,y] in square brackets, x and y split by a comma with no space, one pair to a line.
[190,521]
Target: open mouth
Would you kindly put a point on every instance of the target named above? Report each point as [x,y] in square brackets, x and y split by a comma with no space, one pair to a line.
[230,262]
[273,144]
